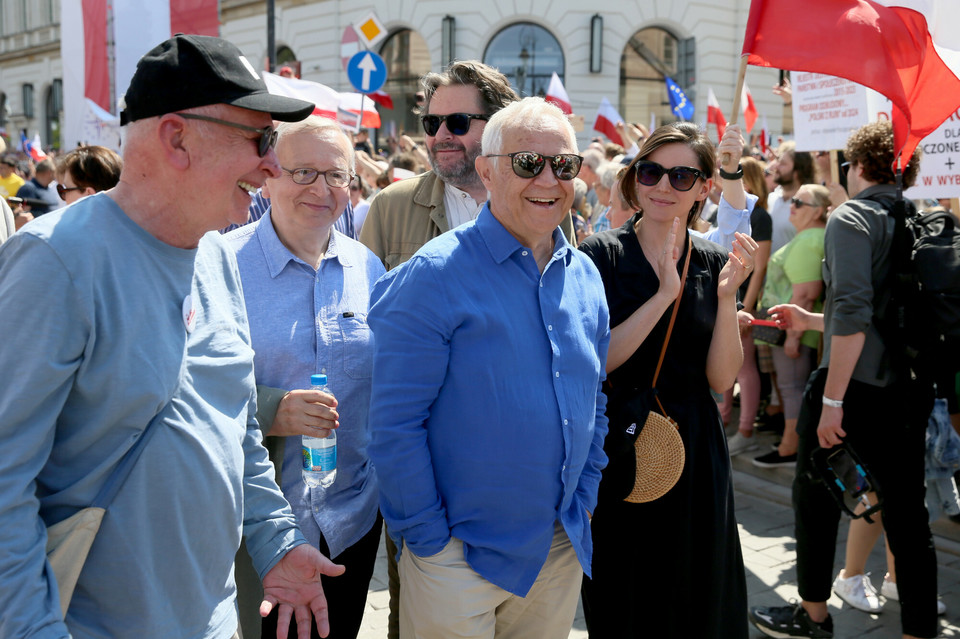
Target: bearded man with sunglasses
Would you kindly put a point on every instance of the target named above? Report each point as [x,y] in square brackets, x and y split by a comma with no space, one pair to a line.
[487,415]
[144,339]
[408,214]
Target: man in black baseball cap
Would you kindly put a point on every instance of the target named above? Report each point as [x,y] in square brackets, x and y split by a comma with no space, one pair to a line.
[149,342]
[190,71]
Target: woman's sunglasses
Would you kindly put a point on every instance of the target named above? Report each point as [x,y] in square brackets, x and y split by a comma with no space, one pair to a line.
[797,202]
[529,164]
[457,123]
[682,178]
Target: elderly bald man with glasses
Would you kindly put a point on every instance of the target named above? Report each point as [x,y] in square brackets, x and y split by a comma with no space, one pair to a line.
[306,287]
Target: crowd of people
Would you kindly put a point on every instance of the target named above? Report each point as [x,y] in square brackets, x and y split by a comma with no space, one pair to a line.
[485,301]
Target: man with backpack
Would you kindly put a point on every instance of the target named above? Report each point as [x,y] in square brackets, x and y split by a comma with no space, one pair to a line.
[864,396]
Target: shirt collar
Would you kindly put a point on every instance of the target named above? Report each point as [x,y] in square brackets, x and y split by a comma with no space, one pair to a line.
[278,256]
[502,244]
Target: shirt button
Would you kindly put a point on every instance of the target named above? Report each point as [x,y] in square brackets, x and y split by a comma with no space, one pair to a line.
[541,284]
[565,422]
[563,467]
[558,373]
[550,327]
[523,253]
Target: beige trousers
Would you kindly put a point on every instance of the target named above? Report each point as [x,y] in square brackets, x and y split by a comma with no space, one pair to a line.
[442,597]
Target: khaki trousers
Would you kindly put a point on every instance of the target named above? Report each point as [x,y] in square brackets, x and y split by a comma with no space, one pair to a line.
[442,597]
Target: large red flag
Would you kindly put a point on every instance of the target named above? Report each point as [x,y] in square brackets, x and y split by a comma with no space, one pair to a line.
[908,50]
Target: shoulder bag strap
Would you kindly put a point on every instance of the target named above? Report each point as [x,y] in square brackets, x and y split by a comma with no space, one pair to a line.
[673,318]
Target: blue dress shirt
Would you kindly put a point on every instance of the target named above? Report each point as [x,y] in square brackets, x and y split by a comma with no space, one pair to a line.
[305,321]
[487,413]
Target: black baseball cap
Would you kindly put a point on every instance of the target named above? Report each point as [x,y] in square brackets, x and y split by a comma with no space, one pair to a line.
[190,71]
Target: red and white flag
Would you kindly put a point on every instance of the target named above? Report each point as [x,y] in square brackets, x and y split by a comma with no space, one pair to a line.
[382,98]
[138,26]
[764,135]
[714,114]
[557,95]
[606,122]
[907,50]
[749,109]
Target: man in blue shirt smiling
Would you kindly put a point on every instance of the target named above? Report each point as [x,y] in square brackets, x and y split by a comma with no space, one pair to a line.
[487,415]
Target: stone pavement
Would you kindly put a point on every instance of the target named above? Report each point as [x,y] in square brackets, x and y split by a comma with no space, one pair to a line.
[765,520]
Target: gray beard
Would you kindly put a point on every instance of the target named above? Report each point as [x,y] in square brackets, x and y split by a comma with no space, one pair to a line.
[462,175]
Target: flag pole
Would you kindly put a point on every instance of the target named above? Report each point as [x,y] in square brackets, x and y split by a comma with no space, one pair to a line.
[741,75]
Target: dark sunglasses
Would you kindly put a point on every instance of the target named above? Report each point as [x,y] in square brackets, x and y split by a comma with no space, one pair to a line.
[845,166]
[682,178]
[797,202]
[63,190]
[268,137]
[529,164]
[457,123]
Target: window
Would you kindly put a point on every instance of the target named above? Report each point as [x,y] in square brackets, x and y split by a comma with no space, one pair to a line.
[407,58]
[648,57]
[28,101]
[528,55]
[54,104]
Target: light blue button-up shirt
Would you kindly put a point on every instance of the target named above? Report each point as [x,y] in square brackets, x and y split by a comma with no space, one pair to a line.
[305,321]
[487,413]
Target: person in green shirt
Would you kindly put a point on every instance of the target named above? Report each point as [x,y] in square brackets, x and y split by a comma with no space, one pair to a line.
[794,276]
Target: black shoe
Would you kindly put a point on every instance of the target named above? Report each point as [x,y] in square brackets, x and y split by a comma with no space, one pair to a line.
[774,459]
[769,423]
[790,621]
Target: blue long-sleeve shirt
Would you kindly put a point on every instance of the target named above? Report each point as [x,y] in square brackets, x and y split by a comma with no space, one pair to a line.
[97,344]
[304,321]
[487,413]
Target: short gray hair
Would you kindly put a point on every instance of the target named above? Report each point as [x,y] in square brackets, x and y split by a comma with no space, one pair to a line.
[607,173]
[593,158]
[532,113]
[328,129]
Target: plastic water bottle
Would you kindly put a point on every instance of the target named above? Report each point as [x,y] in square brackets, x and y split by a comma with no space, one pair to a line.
[319,453]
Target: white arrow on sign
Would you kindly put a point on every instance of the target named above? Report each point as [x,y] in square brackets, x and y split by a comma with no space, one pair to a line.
[368,66]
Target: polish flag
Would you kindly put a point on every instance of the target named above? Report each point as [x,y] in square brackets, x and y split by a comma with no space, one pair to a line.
[749,108]
[714,114]
[764,135]
[606,122]
[907,50]
[137,27]
[557,95]
[382,98]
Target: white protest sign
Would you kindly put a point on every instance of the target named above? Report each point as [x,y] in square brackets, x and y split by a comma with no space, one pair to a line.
[939,175]
[825,110]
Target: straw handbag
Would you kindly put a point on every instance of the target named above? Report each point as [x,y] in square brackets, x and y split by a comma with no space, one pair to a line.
[659,448]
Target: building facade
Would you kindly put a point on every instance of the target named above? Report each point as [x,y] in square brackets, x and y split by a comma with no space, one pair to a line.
[621,50]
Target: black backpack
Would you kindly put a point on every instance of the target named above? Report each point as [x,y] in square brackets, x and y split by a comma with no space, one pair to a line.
[921,324]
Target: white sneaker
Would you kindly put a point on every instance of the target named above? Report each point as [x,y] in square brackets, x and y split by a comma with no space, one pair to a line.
[737,443]
[857,591]
[889,590]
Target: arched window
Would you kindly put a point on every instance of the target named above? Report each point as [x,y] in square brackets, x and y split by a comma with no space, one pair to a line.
[649,56]
[407,58]
[528,55]
[52,106]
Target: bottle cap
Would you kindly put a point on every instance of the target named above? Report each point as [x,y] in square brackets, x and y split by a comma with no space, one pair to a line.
[318,380]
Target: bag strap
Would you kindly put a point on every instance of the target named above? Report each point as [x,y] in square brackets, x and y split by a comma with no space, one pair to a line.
[119,475]
[673,318]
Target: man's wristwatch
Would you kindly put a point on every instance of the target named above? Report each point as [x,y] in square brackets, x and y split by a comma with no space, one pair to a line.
[732,176]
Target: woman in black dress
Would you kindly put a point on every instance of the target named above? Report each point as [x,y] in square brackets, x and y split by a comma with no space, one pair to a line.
[672,567]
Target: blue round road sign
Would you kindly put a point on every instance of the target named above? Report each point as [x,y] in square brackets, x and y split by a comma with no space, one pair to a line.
[367,71]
